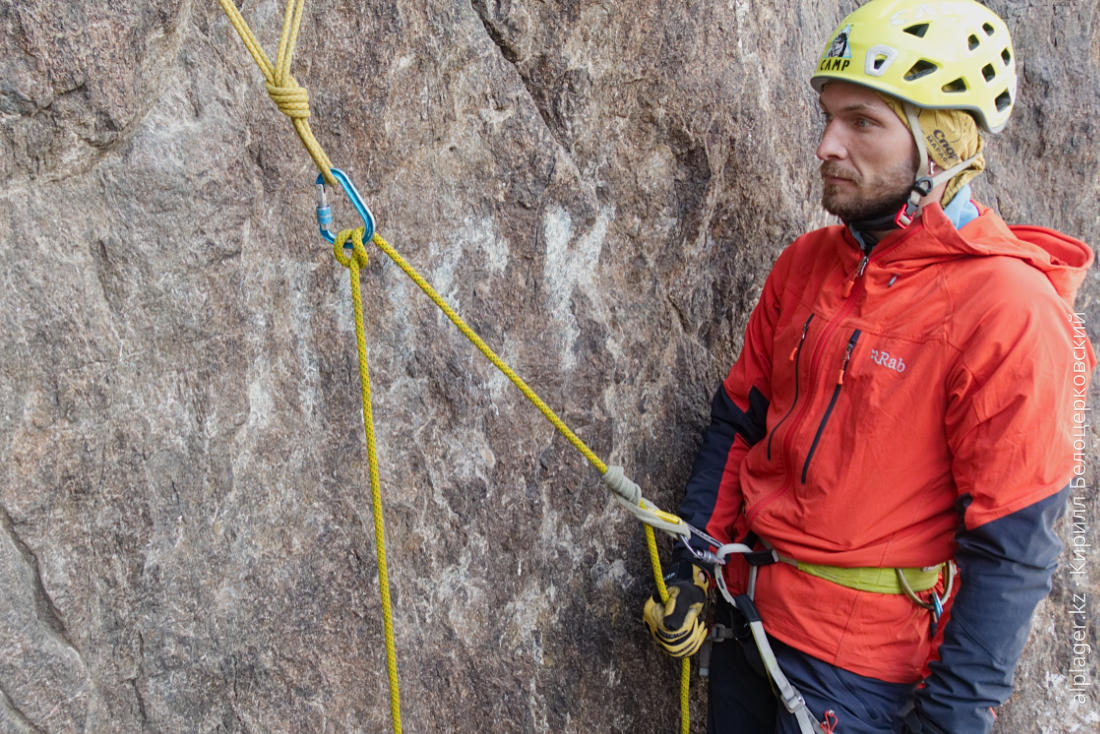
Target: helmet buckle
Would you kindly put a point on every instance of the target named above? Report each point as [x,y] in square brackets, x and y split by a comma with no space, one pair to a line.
[905,215]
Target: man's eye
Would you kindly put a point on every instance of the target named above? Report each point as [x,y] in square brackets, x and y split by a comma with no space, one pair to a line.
[863,122]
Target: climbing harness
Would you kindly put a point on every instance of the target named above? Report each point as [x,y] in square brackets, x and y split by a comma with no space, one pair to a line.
[293,101]
[908,581]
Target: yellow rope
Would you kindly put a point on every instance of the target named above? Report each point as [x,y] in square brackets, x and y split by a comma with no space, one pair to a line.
[651,541]
[353,263]
[685,666]
[293,101]
[685,696]
[477,341]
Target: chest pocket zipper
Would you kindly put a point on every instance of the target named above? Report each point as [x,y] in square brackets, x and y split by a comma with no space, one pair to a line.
[832,403]
[796,356]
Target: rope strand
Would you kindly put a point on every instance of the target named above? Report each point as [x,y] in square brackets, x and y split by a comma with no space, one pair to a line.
[353,263]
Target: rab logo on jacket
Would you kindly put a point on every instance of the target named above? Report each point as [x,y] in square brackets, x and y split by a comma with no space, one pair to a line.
[890,361]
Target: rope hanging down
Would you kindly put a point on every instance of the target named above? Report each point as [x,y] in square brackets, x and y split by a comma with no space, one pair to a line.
[353,263]
[293,101]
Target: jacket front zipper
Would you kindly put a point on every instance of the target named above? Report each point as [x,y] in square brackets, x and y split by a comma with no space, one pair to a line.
[800,415]
[832,403]
[796,355]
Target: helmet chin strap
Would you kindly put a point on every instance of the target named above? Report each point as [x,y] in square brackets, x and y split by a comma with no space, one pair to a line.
[925,182]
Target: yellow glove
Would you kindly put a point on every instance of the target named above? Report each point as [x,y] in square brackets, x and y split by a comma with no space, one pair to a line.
[678,625]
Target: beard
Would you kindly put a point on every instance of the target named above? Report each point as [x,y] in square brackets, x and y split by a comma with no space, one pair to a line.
[861,199]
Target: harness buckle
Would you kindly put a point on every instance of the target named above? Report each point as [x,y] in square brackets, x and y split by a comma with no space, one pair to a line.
[904,216]
[923,186]
[761,558]
[792,700]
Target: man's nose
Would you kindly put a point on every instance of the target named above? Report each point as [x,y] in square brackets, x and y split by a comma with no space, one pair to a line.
[831,147]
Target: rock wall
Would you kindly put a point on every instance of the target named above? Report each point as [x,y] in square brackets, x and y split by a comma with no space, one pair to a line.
[598,187]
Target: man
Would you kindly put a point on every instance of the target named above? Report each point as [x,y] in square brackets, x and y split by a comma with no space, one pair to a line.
[901,406]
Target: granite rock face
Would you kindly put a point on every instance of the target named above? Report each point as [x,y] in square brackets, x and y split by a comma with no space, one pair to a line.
[599,188]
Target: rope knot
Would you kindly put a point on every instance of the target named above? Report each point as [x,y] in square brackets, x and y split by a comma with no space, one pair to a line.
[358,255]
[292,100]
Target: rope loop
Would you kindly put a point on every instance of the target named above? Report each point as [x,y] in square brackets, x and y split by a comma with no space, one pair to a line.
[358,251]
[616,480]
[291,99]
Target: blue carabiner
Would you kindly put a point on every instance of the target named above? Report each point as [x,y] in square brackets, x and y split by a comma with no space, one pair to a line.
[324,211]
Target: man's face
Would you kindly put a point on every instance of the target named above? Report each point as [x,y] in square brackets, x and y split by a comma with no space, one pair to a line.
[869,159]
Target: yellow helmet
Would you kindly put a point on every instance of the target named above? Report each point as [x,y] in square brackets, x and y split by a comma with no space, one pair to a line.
[941,54]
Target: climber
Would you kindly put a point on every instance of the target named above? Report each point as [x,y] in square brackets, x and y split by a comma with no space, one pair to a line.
[902,406]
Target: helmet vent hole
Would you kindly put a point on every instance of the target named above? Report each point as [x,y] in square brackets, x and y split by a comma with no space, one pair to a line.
[959,85]
[922,68]
[989,30]
[917,30]
[1006,56]
[973,42]
[1003,101]
[878,61]
[989,73]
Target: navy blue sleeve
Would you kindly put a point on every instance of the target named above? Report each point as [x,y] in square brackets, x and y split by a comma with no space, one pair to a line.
[727,421]
[1005,568]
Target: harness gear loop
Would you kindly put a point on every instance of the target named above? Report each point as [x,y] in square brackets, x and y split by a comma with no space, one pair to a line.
[936,601]
[353,263]
[324,211]
[950,570]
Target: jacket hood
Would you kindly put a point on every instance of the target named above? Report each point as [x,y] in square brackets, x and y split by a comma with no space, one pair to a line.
[1062,259]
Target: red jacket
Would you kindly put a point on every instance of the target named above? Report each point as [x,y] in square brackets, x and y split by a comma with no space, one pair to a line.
[935,375]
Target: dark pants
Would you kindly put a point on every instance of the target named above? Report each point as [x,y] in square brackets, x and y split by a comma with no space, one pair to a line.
[741,700]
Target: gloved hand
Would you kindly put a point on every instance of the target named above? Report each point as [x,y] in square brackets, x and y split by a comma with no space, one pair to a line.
[678,625]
